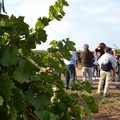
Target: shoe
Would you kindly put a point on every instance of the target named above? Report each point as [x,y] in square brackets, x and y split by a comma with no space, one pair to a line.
[97,77]
[106,95]
[66,88]
[113,80]
[92,88]
[99,93]
[72,89]
[93,78]
[118,86]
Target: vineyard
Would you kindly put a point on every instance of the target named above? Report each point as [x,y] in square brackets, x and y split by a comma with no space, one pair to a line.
[30,88]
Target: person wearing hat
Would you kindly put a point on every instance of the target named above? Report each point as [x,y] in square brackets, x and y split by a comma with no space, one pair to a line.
[87,63]
[107,63]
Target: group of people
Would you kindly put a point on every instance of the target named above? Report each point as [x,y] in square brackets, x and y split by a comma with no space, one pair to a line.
[104,64]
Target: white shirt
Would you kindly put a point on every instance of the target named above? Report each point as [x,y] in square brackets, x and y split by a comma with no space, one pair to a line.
[73,60]
[107,57]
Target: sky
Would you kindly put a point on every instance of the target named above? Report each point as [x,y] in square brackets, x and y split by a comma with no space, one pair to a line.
[86,21]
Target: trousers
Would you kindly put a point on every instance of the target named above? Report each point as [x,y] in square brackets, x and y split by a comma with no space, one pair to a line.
[87,73]
[107,78]
[70,77]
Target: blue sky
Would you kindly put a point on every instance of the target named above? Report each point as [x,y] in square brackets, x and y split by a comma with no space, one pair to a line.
[86,21]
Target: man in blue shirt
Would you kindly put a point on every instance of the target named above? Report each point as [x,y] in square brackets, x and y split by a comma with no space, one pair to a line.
[71,72]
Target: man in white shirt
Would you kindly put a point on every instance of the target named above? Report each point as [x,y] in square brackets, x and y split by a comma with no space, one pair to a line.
[70,65]
[107,63]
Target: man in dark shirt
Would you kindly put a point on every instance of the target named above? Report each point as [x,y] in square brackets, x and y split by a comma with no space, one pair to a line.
[87,63]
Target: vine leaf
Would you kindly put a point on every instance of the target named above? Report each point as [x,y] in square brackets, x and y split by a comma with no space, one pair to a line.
[31,42]
[24,71]
[42,22]
[18,99]
[41,36]
[5,86]
[8,56]
[13,113]
[1,100]
[43,115]
[37,99]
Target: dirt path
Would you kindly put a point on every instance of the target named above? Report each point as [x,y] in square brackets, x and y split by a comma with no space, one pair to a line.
[109,108]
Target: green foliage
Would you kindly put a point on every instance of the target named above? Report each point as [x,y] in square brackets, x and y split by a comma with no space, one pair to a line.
[118,50]
[30,88]
[56,11]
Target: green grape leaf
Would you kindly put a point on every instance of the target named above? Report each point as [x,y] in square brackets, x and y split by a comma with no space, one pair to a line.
[43,115]
[20,77]
[4,39]
[41,36]
[65,52]
[37,99]
[93,106]
[5,86]
[24,71]
[14,54]
[13,113]
[62,107]
[56,11]
[18,99]
[54,43]
[1,100]
[58,17]
[69,44]
[20,27]
[5,56]
[30,44]
[52,50]
[8,56]
[39,24]
[42,22]
[64,2]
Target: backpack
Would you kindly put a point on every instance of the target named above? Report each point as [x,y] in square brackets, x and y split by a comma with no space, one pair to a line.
[106,67]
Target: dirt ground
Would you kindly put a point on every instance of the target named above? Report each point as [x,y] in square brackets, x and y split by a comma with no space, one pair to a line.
[109,107]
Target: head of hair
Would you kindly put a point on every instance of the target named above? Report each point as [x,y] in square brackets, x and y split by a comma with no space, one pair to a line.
[74,49]
[108,50]
[86,46]
[102,45]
